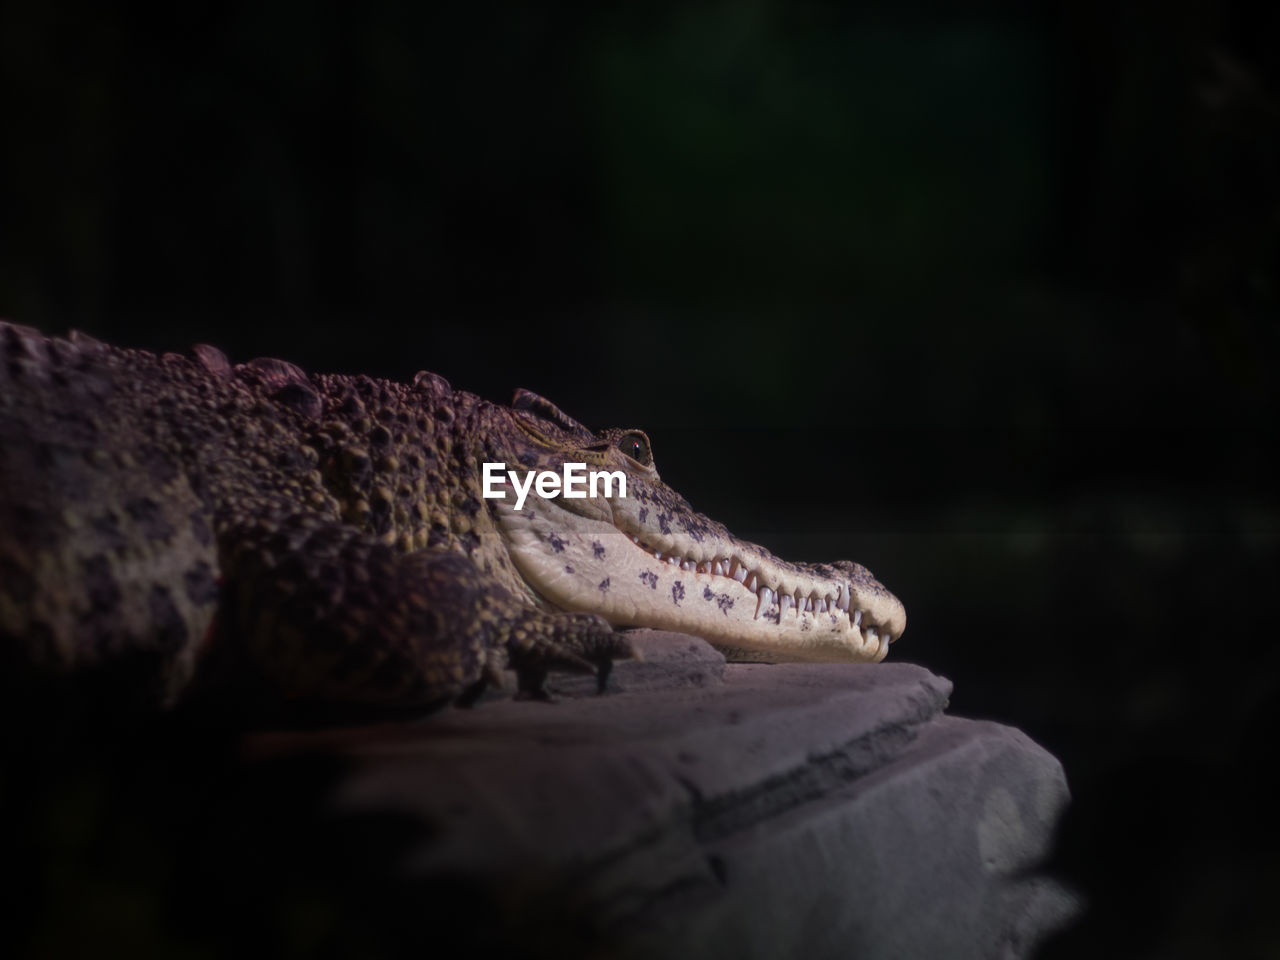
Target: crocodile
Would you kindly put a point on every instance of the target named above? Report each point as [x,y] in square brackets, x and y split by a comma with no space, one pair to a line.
[329,534]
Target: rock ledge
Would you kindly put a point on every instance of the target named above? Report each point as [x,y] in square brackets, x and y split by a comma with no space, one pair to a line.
[724,810]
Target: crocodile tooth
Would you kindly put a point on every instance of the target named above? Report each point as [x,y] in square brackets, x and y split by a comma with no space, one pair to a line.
[739,573]
[657,554]
[764,602]
[857,618]
[705,567]
[688,565]
[675,561]
[885,640]
[820,605]
[842,599]
[870,636]
[752,585]
[785,602]
[717,569]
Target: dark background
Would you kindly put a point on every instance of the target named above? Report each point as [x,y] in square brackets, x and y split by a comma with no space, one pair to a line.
[982,295]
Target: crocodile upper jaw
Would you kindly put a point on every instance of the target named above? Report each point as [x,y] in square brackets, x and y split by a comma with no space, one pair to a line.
[732,593]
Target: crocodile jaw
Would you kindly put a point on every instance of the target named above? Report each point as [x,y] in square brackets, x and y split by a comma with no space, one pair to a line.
[731,593]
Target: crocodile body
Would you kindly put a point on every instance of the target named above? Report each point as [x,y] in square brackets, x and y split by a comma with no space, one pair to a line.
[328,534]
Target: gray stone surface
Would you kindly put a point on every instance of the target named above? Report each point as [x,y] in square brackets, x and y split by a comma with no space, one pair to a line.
[710,810]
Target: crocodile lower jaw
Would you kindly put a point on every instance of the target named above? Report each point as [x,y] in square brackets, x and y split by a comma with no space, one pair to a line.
[739,600]
[776,600]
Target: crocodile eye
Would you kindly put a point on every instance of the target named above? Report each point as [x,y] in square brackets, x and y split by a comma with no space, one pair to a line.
[636,446]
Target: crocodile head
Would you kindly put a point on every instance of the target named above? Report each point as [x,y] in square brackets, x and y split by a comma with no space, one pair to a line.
[648,559]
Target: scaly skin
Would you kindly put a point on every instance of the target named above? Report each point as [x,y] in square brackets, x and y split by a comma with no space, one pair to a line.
[328,535]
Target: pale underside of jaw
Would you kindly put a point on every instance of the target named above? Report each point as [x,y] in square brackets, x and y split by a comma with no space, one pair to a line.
[586,564]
